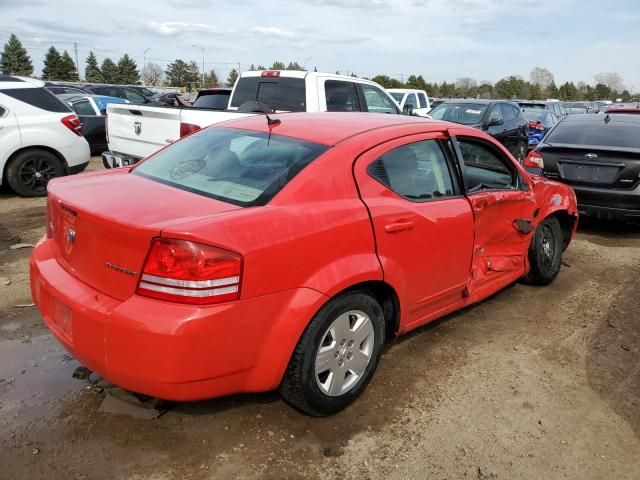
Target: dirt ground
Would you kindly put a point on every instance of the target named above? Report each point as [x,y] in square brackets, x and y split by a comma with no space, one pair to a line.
[534,383]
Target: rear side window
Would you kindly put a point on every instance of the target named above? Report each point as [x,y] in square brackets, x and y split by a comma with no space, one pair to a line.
[509,112]
[39,98]
[417,172]
[279,93]
[217,101]
[236,166]
[341,96]
[596,133]
[483,168]
[423,100]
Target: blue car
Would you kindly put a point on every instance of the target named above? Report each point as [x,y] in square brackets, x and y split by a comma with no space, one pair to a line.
[540,122]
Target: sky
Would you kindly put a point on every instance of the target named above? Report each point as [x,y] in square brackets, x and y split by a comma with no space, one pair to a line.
[439,39]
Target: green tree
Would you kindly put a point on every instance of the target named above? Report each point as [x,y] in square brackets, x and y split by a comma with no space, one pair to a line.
[448,89]
[294,66]
[52,65]
[387,82]
[211,80]
[277,66]
[128,71]
[14,59]
[510,87]
[109,71]
[416,82]
[625,95]
[552,90]
[602,92]
[535,92]
[485,89]
[92,71]
[177,73]
[231,79]
[68,71]
[193,75]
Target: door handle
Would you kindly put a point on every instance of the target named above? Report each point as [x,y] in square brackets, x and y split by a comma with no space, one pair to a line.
[399,227]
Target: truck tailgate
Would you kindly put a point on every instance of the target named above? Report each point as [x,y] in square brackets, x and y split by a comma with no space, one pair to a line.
[140,130]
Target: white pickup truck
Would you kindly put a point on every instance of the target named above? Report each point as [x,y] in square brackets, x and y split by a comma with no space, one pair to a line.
[136,131]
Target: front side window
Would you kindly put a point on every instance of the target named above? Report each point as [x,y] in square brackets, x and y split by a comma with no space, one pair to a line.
[418,171]
[236,166]
[83,107]
[411,101]
[377,100]
[133,96]
[484,168]
[509,112]
[341,96]
[495,115]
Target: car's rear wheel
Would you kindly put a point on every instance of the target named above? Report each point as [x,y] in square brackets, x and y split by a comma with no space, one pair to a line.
[545,252]
[336,356]
[29,172]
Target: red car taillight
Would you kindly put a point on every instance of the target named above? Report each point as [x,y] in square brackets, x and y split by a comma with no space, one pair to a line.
[536,125]
[72,122]
[189,272]
[534,160]
[187,128]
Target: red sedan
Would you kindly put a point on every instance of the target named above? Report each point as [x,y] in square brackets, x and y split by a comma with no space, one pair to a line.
[259,255]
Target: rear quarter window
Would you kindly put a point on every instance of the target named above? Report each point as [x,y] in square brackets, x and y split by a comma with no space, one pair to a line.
[39,98]
[236,166]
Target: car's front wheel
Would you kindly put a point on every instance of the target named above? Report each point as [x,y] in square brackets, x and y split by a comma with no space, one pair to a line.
[545,252]
[29,172]
[336,356]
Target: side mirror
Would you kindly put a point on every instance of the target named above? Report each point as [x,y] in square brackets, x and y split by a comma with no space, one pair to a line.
[407,110]
[493,123]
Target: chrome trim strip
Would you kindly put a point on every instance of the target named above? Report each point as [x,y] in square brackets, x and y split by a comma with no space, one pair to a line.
[189,293]
[190,283]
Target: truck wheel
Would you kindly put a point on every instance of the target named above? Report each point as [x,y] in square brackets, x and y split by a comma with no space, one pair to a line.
[29,172]
[336,355]
[545,253]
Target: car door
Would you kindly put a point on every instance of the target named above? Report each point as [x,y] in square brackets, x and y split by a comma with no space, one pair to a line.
[423,105]
[10,139]
[503,206]
[423,224]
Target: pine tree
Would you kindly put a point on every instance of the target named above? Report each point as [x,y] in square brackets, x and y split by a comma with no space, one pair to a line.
[211,80]
[278,65]
[231,79]
[177,73]
[52,65]
[14,59]
[294,66]
[92,71]
[127,71]
[68,70]
[109,71]
[194,73]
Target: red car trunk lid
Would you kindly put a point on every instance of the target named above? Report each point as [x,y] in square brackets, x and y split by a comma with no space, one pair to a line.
[104,224]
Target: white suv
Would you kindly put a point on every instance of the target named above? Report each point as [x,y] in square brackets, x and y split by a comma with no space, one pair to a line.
[40,137]
[415,100]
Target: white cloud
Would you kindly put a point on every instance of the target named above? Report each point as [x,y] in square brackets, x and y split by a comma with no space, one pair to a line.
[173,29]
[273,32]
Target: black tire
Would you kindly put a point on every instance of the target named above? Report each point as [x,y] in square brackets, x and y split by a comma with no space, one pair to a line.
[29,172]
[545,252]
[300,386]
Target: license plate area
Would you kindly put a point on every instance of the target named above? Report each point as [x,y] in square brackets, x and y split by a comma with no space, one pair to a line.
[62,318]
[584,173]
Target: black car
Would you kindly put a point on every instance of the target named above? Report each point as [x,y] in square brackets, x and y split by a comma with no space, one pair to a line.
[501,119]
[599,156]
[166,98]
[213,98]
[128,93]
[553,105]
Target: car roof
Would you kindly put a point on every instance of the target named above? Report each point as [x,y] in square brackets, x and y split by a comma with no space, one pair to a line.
[11,81]
[330,128]
[483,101]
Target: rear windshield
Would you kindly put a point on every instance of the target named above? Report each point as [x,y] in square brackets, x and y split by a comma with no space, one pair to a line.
[541,106]
[613,134]
[217,101]
[279,93]
[465,113]
[534,115]
[39,98]
[236,166]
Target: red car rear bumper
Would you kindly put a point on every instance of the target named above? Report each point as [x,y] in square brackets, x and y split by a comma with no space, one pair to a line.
[168,350]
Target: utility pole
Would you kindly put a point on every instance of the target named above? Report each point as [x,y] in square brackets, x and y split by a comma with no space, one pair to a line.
[239,69]
[75,47]
[144,57]
[201,48]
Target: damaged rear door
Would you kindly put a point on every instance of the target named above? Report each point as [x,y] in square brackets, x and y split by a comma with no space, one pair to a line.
[503,208]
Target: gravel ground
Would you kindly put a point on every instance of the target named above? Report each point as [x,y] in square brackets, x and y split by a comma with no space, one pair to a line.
[534,383]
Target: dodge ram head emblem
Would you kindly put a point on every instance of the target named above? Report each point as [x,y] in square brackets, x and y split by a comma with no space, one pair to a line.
[69,240]
[591,156]
[137,127]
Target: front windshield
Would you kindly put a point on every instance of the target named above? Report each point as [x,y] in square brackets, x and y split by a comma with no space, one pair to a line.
[465,113]
[242,167]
